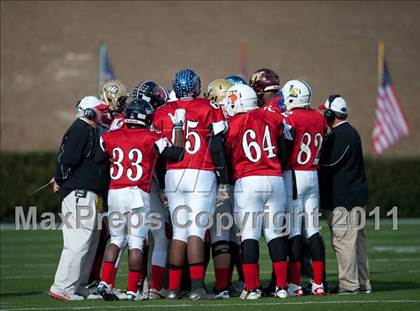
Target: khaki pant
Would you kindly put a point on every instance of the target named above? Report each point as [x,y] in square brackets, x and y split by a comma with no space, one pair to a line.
[80,239]
[350,246]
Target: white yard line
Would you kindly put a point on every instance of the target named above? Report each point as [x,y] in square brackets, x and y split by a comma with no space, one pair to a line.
[397,249]
[23,277]
[244,304]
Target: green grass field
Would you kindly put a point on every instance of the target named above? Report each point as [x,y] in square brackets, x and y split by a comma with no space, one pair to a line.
[29,260]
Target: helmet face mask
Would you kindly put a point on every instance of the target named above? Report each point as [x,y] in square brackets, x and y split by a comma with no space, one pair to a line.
[217,90]
[297,94]
[264,80]
[186,84]
[115,94]
[240,98]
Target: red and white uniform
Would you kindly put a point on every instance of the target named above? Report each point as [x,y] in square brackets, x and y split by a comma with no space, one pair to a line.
[272,105]
[133,156]
[191,183]
[117,122]
[308,128]
[252,143]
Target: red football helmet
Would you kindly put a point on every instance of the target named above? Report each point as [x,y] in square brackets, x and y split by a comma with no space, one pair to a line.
[264,80]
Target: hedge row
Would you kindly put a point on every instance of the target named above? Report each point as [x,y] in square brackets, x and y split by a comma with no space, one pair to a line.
[391,182]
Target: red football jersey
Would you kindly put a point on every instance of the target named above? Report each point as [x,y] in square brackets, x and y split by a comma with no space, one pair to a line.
[133,156]
[200,117]
[308,130]
[273,105]
[251,142]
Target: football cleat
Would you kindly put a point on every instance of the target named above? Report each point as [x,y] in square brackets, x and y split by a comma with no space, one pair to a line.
[281,293]
[172,294]
[317,289]
[250,295]
[106,292]
[365,290]
[343,291]
[132,296]
[65,297]
[93,290]
[155,294]
[294,290]
[201,294]
[224,294]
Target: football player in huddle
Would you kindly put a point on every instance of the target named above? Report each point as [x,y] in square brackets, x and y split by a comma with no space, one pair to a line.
[115,94]
[216,92]
[307,128]
[157,96]
[266,83]
[252,142]
[224,244]
[191,184]
[132,149]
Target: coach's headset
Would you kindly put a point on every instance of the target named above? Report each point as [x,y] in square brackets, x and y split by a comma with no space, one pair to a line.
[88,113]
[329,114]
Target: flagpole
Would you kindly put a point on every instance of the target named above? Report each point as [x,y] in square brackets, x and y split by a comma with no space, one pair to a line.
[381,57]
[100,65]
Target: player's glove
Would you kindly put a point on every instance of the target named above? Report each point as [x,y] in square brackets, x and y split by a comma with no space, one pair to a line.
[179,118]
[222,194]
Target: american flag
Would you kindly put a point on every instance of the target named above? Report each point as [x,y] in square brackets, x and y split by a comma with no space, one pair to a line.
[106,72]
[390,121]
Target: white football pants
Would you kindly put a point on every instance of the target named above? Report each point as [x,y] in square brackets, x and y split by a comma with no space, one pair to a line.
[260,207]
[192,198]
[127,216]
[306,203]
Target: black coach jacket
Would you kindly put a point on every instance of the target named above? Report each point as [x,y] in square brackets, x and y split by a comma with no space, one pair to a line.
[76,165]
[342,171]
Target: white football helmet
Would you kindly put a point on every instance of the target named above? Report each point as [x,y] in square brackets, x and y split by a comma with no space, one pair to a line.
[297,94]
[240,98]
